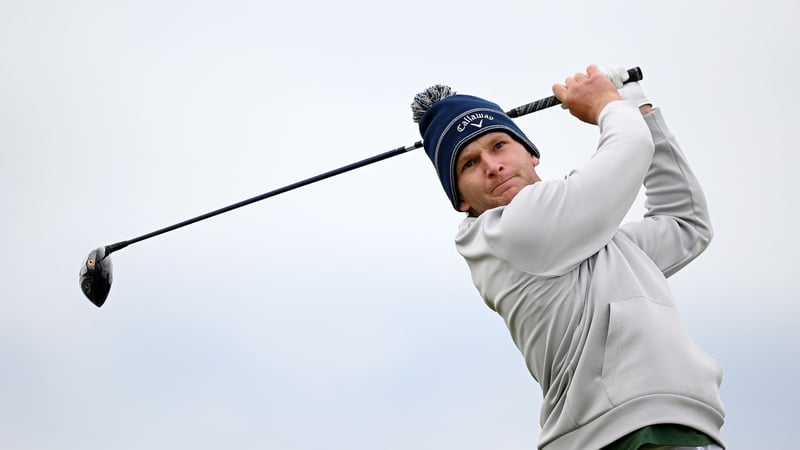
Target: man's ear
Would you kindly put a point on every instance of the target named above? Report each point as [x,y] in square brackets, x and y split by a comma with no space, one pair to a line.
[535,160]
[463,206]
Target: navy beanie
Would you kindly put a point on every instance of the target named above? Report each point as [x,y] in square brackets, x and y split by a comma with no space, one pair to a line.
[448,122]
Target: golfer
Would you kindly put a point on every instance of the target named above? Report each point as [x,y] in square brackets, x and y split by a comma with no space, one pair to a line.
[585,298]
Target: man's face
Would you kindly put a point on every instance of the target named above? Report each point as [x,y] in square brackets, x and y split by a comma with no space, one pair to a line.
[491,170]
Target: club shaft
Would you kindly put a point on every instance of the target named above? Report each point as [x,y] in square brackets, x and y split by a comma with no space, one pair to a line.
[281,190]
[635,74]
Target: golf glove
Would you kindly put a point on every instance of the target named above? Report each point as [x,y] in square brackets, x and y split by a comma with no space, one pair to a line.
[631,92]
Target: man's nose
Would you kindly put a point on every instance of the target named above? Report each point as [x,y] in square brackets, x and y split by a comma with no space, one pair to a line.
[493,166]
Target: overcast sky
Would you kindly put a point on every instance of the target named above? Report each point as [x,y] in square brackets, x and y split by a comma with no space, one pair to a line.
[340,316]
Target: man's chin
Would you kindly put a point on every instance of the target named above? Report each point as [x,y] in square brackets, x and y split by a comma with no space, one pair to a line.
[500,201]
[507,195]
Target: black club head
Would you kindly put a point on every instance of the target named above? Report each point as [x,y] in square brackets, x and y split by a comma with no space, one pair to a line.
[95,276]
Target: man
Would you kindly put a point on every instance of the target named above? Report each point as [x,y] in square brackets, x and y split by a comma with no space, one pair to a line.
[585,299]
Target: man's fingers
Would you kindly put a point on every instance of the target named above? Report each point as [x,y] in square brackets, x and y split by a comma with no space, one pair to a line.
[593,70]
[577,78]
[560,91]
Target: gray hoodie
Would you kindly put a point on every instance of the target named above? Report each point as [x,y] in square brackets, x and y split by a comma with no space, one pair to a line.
[587,301]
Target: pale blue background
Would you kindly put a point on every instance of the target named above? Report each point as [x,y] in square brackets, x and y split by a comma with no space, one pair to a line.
[340,316]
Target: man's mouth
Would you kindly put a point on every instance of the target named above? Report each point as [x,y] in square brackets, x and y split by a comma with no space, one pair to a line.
[500,184]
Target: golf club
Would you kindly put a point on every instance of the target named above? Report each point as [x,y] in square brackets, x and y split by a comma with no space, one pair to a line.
[96,271]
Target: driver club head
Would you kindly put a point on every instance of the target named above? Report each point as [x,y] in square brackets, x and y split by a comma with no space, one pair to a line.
[95,275]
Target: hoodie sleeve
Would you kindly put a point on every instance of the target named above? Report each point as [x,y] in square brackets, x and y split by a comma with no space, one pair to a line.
[676,226]
[552,226]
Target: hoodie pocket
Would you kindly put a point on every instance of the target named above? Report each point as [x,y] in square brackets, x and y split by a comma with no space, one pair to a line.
[648,351]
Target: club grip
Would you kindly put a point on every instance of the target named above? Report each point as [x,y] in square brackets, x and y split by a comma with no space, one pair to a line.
[634,74]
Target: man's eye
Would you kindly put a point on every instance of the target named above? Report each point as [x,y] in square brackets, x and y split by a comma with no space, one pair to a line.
[499,145]
[468,164]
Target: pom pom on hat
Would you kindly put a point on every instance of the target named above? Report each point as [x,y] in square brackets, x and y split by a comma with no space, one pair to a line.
[448,122]
[427,98]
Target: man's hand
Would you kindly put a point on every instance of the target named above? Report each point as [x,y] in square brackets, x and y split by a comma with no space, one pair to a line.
[585,95]
[631,91]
